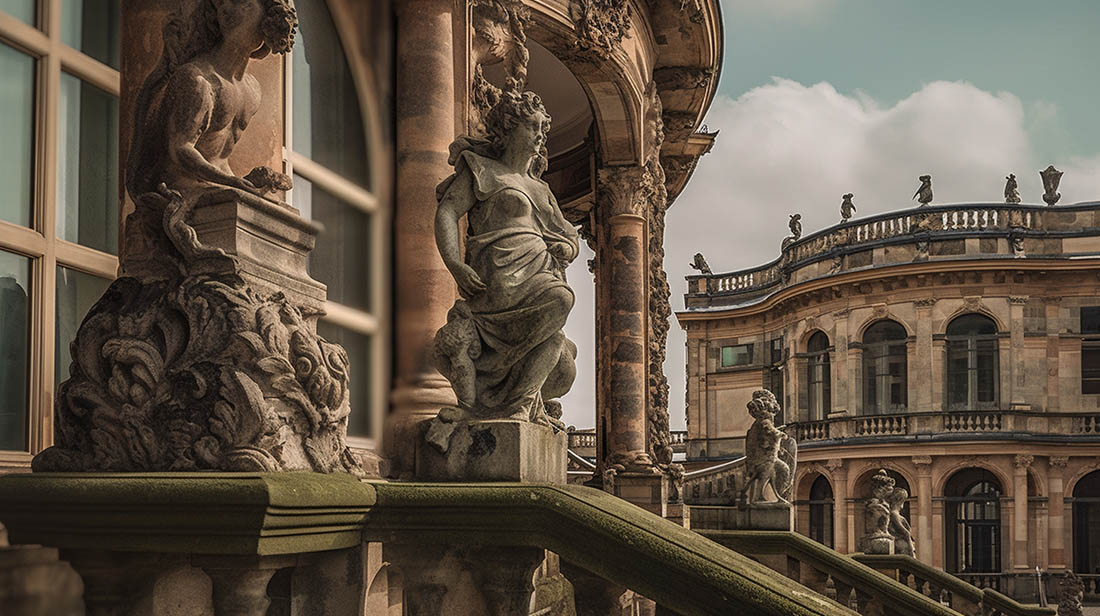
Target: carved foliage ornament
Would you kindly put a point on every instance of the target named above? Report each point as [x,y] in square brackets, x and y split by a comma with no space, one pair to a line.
[500,35]
[600,25]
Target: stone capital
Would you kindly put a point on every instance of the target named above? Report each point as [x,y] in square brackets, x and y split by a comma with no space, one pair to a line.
[1017,300]
[926,302]
[834,464]
[624,190]
[1022,461]
[923,463]
[1058,461]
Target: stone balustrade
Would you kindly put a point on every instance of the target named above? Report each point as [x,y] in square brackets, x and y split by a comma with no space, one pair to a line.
[849,245]
[937,424]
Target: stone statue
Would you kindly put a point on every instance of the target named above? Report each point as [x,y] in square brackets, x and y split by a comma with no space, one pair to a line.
[1012,189]
[795,225]
[1071,593]
[770,454]
[877,516]
[700,263]
[924,193]
[502,347]
[847,208]
[188,361]
[900,529]
[1051,178]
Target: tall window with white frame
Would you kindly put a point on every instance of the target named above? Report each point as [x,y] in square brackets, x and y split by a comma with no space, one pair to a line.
[58,199]
[338,117]
[885,367]
[819,379]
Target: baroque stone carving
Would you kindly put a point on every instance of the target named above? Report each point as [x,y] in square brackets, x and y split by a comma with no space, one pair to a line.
[502,348]
[924,193]
[1071,593]
[1023,460]
[795,225]
[770,454]
[887,531]
[188,362]
[683,77]
[1051,179]
[1012,189]
[699,262]
[847,208]
[600,25]
[500,35]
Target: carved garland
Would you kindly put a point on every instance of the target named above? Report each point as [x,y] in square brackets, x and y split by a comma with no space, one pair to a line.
[500,35]
[600,25]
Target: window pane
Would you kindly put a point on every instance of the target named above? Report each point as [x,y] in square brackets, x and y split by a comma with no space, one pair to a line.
[341,259]
[1090,320]
[16,135]
[23,10]
[328,125]
[87,171]
[77,292]
[740,355]
[15,275]
[92,27]
[358,347]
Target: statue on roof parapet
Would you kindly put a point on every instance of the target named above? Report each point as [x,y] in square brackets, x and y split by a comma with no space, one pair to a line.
[1051,179]
[847,208]
[1012,189]
[924,193]
[700,263]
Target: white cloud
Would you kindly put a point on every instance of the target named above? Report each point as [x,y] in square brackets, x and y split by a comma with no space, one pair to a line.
[785,147]
[777,9]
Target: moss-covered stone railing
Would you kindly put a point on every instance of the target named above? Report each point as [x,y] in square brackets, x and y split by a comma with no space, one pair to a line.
[122,530]
[814,565]
[942,586]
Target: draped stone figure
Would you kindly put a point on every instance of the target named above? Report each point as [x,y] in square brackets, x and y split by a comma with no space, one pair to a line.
[503,348]
[204,353]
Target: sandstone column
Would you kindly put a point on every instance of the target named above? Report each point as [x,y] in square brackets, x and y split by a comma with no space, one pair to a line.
[1057,518]
[921,385]
[424,290]
[1019,489]
[622,335]
[839,472]
[1017,377]
[923,465]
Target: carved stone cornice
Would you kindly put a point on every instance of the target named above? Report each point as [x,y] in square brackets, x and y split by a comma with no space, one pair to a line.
[679,125]
[1016,300]
[925,302]
[600,25]
[683,77]
[1022,461]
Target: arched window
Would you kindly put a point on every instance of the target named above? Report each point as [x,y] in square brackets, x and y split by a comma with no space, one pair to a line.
[818,378]
[821,511]
[336,145]
[972,524]
[1086,524]
[884,368]
[972,373]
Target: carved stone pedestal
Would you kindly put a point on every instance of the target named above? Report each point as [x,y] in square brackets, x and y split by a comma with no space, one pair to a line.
[490,450]
[878,544]
[647,490]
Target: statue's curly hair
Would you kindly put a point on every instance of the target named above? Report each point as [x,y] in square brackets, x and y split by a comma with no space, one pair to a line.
[506,115]
[279,24]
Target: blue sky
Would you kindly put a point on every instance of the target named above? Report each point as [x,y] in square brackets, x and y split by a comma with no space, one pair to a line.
[822,97]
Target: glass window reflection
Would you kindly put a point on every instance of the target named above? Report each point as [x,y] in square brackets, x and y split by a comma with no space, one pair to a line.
[341,258]
[92,27]
[77,292]
[17,136]
[87,166]
[15,276]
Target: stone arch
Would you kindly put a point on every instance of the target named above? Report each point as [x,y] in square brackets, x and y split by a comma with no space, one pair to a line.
[804,339]
[1081,473]
[971,308]
[1005,479]
[805,480]
[861,331]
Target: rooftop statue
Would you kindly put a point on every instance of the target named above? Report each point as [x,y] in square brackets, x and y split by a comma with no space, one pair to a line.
[1012,189]
[503,348]
[1051,179]
[188,362]
[795,225]
[924,193]
[700,263]
[847,208]
[770,454]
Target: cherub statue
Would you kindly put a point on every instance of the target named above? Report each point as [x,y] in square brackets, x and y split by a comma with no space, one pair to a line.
[512,279]
[847,208]
[189,114]
[900,529]
[770,454]
[700,263]
[1051,178]
[924,193]
[795,225]
[1012,189]
[1071,592]
[877,516]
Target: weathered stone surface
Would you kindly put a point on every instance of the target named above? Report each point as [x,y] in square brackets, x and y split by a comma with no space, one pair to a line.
[34,582]
[490,450]
[879,518]
[770,455]
[502,348]
[204,354]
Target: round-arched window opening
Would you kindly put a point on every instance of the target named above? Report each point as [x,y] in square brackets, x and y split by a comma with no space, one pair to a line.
[885,369]
[818,377]
[972,363]
[821,511]
[1086,524]
[972,523]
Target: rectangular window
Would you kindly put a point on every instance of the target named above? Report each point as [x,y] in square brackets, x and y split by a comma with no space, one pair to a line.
[16,135]
[1090,319]
[15,293]
[777,351]
[87,155]
[739,355]
[1090,367]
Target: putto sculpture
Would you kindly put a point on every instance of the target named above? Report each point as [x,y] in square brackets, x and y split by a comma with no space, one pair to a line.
[795,225]
[847,208]
[700,263]
[503,348]
[770,455]
[924,193]
[1012,189]
[887,530]
[188,361]
[1071,593]
[900,529]
[1051,179]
